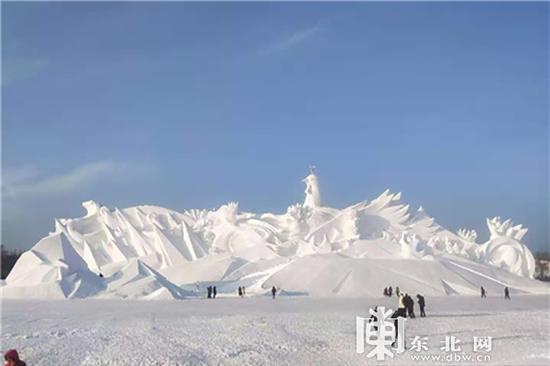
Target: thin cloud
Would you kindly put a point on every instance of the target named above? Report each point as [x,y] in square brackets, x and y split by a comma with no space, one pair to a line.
[291,41]
[31,198]
[24,183]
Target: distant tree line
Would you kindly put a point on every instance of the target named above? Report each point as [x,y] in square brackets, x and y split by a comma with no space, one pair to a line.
[542,266]
[9,257]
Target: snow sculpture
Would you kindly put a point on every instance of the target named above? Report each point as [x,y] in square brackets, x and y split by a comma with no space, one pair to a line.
[505,250]
[313,194]
[467,235]
[497,228]
[151,252]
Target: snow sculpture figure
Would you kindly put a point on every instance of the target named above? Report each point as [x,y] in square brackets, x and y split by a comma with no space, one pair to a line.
[313,194]
[505,250]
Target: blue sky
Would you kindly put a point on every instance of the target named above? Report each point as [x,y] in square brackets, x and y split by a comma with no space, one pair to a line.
[190,105]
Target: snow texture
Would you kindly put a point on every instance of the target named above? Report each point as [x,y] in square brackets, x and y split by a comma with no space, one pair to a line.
[262,331]
[153,253]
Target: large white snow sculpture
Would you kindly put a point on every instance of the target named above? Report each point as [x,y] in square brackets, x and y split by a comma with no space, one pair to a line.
[151,252]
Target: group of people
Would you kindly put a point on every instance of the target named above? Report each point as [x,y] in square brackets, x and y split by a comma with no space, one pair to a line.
[388,291]
[406,302]
[405,305]
[242,291]
[506,293]
[211,292]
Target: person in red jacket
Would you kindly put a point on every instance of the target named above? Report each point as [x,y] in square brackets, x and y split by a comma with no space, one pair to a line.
[12,358]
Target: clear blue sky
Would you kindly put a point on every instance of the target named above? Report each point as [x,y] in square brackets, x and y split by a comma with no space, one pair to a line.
[189,105]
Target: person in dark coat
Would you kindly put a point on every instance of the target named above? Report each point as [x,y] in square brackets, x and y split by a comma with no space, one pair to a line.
[390,291]
[385,291]
[240,291]
[506,293]
[397,292]
[214,292]
[483,294]
[244,291]
[421,305]
[273,292]
[209,292]
[409,304]
[12,358]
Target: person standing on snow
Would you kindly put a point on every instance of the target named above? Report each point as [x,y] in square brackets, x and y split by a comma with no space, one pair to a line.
[244,291]
[209,292]
[397,292]
[409,304]
[483,294]
[240,292]
[506,293]
[273,292]
[421,305]
[390,291]
[399,313]
[12,358]
[214,292]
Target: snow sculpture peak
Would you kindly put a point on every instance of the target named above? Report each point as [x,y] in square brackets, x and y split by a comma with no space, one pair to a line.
[313,194]
[499,228]
[468,235]
[91,207]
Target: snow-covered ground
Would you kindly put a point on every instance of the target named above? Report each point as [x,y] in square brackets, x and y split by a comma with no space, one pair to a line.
[261,331]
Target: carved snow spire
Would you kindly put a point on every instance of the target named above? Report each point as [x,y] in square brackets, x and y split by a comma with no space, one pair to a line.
[313,194]
[498,228]
[468,235]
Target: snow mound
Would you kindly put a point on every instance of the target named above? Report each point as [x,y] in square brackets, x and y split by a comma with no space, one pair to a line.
[153,253]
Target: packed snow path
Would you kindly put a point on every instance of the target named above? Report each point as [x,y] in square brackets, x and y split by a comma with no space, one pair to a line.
[261,331]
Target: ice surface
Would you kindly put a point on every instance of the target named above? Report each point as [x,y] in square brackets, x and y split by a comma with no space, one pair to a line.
[152,252]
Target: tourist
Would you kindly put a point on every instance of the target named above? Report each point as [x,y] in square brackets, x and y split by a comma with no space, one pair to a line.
[421,304]
[409,304]
[399,313]
[12,358]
